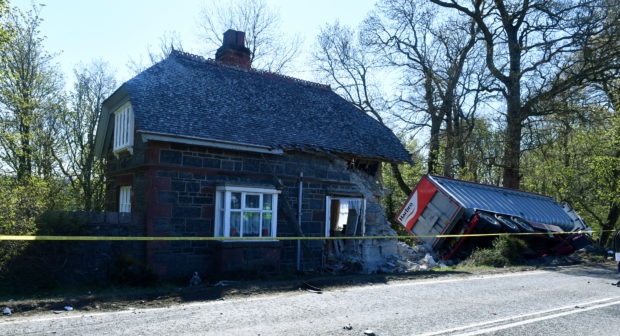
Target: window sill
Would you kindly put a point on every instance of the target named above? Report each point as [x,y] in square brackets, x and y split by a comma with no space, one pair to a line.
[123,150]
[249,243]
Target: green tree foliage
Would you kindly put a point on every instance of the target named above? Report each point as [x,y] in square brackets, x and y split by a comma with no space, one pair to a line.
[396,197]
[30,101]
[30,98]
[5,29]
[480,152]
[577,156]
[20,204]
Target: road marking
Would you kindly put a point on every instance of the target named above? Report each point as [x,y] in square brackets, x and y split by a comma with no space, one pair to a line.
[519,323]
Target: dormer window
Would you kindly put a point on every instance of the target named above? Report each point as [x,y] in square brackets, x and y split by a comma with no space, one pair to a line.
[123,129]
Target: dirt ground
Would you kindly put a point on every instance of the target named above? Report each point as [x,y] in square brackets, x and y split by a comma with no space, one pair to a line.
[164,296]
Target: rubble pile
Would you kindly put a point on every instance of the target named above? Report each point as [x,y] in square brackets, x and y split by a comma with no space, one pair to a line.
[411,259]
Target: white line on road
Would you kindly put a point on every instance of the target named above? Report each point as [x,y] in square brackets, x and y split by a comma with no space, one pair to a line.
[519,323]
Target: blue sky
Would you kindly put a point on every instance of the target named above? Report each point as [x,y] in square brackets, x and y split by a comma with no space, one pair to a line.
[119,30]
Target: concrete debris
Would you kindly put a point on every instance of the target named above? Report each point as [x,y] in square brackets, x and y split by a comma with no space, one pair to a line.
[404,258]
[428,259]
[224,283]
[6,311]
[310,288]
[410,259]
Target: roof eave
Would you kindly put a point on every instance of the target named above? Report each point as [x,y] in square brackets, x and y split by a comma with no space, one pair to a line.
[158,136]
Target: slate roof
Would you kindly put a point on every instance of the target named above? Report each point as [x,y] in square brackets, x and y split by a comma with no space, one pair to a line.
[186,95]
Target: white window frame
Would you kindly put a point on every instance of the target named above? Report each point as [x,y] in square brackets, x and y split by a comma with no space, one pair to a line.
[223,204]
[123,129]
[328,210]
[124,199]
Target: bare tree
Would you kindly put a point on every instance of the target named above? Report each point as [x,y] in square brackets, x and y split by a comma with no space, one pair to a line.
[341,60]
[432,50]
[270,49]
[76,158]
[530,48]
[170,40]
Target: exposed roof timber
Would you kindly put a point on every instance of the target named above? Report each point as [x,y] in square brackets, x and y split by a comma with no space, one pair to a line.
[150,136]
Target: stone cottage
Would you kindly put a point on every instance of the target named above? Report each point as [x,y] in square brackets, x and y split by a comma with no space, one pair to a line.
[214,148]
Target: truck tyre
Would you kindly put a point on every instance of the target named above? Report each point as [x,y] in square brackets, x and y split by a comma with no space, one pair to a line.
[487,223]
[508,225]
[523,225]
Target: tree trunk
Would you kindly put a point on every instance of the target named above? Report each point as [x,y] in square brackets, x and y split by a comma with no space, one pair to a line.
[434,143]
[614,210]
[512,148]
[399,179]
[514,113]
[450,145]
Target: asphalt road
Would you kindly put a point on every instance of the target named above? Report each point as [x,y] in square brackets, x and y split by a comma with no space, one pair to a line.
[570,301]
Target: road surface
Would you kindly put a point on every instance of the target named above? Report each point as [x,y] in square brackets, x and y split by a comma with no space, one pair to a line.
[568,301]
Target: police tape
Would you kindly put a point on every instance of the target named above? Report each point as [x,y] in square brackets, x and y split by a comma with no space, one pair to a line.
[192,238]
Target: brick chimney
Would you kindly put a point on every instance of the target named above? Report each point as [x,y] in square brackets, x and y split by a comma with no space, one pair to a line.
[233,50]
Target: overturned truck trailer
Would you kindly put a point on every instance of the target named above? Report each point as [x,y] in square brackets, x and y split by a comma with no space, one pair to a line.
[445,206]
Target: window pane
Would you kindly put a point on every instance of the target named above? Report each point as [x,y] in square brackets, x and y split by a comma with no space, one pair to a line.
[252,201]
[267,202]
[125,199]
[235,200]
[235,224]
[266,229]
[251,224]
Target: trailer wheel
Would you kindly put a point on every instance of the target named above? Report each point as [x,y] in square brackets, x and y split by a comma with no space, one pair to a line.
[508,225]
[523,225]
[487,223]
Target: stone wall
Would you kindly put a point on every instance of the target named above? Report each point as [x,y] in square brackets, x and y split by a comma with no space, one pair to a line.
[65,263]
[175,185]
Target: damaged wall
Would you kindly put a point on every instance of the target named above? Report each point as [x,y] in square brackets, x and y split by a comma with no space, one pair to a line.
[372,253]
[176,185]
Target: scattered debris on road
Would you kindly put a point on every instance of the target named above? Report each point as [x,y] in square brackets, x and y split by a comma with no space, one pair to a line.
[310,288]
[224,283]
[444,206]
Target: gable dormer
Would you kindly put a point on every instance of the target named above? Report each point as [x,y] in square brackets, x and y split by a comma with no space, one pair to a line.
[123,129]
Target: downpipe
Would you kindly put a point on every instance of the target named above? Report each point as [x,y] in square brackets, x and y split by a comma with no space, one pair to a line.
[299,202]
